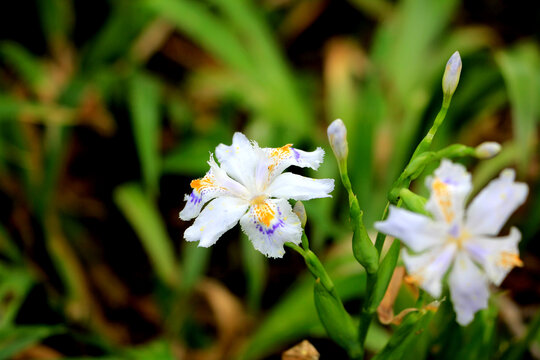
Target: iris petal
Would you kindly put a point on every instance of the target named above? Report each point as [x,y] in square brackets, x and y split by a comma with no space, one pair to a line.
[270,224]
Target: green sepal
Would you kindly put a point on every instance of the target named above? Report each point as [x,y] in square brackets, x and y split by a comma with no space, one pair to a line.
[419,162]
[317,270]
[337,322]
[382,280]
[413,201]
[363,249]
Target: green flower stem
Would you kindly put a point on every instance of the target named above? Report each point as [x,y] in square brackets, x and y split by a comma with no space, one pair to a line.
[417,165]
[382,280]
[422,296]
[376,288]
[305,241]
[315,266]
[363,249]
[378,283]
[296,248]
[318,271]
[428,139]
[381,237]
[332,314]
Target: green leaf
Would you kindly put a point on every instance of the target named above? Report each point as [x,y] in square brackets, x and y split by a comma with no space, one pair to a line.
[518,348]
[144,106]
[194,263]
[145,219]
[25,64]
[16,339]
[208,30]
[405,335]
[126,21]
[273,72]
[56,18]
[519,67]
[159,349]
[295,317]
[256,269]
[190,158]
[15,283]
[7,247]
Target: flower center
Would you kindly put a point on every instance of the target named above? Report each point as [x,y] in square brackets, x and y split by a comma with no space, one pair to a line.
[458,236]
[258,200]
[443,198]
[264,212]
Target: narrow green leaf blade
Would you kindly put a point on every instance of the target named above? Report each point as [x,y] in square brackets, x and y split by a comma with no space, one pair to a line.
[144,106]
[143,215]
[519,67]
[16,339]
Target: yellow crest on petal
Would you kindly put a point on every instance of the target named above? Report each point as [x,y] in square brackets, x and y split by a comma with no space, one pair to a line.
[443,199]
[279,154]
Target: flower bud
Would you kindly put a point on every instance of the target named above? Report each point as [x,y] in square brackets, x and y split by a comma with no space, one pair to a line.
[413,201]
[300,211]
[335,319]
[487,150]
[451,77]
[337,135]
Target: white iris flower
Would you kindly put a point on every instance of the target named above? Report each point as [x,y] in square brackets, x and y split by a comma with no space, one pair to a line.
[249,186]
[463,240]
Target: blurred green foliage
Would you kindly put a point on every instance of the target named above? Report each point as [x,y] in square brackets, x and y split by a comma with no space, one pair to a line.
[162,82]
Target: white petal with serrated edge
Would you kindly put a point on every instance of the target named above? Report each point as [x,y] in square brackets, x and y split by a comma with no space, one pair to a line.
[497,256]
[449,188]
[215,183]
[279,159]
[296,187]
[417,231]
[468,288]
[271,226]
[240,159]
[428,268]
[217,217]
[492,207]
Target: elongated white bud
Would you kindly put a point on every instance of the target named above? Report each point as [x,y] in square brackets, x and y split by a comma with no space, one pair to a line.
[337,136]
[451,76]
[487,150]
[300,211]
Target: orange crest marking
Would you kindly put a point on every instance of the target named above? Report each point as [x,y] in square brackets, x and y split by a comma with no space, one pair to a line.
[279,154]
[264,213]
[443,198]
[201,184]
[509,260]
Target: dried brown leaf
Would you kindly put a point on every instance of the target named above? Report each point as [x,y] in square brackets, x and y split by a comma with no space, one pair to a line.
[303,351]
[385,311]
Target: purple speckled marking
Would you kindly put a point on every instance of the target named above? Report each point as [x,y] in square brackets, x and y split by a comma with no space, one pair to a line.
[270,231]
[450,181]
[296,154]
[454,231]
[193,198]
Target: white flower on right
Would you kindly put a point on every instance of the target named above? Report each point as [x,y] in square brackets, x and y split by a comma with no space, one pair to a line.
[463,240]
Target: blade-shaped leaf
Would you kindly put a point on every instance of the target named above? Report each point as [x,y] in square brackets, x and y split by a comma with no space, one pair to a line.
[145,219]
